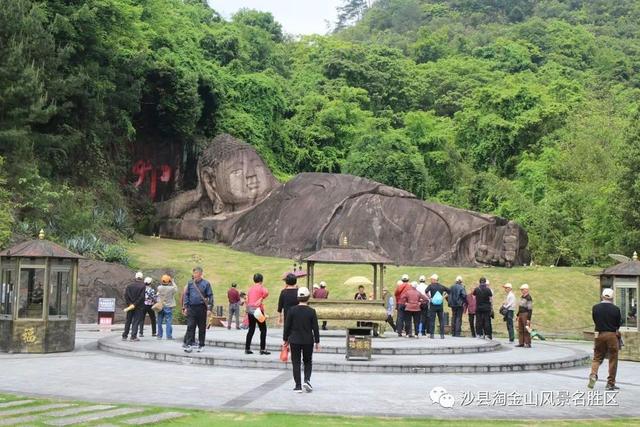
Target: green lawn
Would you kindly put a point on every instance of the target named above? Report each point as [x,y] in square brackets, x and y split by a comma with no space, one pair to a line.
[562,296]
[242,419]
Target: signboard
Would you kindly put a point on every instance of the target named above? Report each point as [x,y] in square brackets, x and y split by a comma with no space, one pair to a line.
[107,305]
[105,320]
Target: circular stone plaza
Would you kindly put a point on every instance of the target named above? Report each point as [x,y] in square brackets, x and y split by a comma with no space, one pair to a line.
[483,379]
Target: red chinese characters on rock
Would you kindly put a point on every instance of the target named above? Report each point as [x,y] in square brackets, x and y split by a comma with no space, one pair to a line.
[142,167]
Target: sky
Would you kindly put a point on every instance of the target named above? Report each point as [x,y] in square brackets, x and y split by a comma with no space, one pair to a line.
[295,16]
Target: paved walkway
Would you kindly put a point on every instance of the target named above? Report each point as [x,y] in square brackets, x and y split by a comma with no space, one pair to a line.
[90,375]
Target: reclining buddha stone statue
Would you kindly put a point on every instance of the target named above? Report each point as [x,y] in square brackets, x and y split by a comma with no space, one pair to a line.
[239,202]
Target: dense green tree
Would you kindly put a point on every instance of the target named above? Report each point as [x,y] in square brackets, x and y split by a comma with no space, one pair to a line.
[519,108]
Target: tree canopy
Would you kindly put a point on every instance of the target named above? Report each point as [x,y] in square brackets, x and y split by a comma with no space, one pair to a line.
[526,109]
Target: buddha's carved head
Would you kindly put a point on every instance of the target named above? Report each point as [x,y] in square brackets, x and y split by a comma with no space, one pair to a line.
[233,175]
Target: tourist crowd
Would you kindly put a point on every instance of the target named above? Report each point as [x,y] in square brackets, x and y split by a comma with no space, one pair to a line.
[417,306]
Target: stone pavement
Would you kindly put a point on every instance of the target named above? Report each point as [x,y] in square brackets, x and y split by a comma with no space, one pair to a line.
[90,375]
[392,354]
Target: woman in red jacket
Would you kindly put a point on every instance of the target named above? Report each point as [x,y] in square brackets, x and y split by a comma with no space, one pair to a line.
[411,299]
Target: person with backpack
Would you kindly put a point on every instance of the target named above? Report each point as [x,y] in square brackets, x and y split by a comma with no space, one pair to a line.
[484,296]
[412,299]
[457,303]
[436,294]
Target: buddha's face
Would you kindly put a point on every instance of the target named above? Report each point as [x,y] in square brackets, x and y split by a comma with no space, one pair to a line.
[238,182]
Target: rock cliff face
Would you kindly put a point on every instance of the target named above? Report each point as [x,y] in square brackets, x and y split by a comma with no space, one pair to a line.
[98,279]
[238,202]
[314,211]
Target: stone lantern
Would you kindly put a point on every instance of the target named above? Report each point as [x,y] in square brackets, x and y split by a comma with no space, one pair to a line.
[624,279]
[39,280]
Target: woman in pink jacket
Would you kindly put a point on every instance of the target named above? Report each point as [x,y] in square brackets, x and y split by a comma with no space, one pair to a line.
[412,298]
[255,299]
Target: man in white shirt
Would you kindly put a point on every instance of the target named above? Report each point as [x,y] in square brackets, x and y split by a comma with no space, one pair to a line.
[424,315]
[508,309]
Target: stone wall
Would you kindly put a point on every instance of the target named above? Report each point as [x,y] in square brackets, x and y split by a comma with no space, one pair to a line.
[631,349]
[98,279]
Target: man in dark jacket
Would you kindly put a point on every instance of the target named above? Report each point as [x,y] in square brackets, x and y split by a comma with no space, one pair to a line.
[457,302]
[300,333]
[484,298]
[198,300]
[134,296]
[607,319]
[436,294]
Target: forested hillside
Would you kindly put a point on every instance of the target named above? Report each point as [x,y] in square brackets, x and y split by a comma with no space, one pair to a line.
[526,109]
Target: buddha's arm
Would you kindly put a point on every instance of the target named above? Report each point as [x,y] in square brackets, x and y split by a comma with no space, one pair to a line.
[177,206]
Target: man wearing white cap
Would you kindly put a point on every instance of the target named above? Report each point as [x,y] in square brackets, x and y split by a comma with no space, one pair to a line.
[134,295]
[436,294]
[457,302]
[607,319]
[300,333]
[508,309]
[525,310]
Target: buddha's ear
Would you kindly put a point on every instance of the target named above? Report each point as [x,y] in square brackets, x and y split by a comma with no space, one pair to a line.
[208,182]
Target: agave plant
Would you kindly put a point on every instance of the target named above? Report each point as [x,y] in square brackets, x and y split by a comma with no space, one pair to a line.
[23,227]
[86,244]
[121,222]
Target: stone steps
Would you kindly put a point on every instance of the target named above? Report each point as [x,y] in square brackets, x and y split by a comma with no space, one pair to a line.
[542,357]
[387,346]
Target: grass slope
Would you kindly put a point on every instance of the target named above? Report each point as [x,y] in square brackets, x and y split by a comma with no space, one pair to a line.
[562,296]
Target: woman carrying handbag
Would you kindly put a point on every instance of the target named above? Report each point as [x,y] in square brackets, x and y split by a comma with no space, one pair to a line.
[300,333]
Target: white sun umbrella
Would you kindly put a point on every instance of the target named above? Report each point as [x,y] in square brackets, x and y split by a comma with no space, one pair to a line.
[358,281]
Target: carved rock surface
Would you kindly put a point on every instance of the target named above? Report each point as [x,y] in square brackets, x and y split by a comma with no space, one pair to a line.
[250,212]
[316,210]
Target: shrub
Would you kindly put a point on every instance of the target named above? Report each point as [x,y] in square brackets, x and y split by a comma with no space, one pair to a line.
[115,253]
